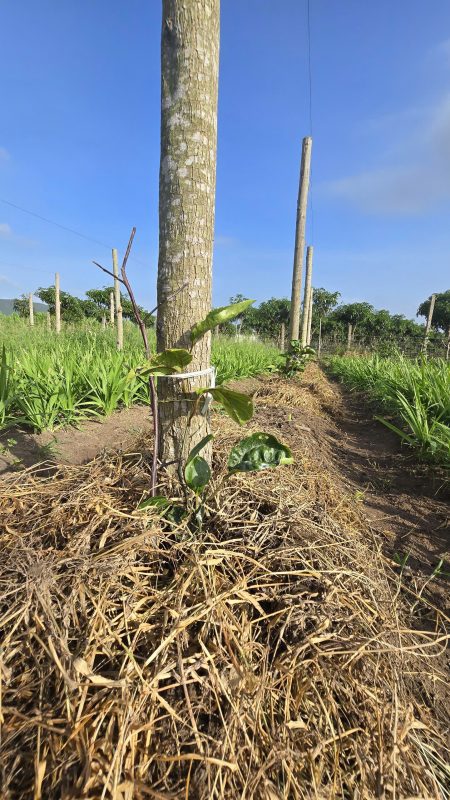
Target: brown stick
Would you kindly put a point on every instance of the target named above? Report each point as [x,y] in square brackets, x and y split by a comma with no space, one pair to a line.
[140,322]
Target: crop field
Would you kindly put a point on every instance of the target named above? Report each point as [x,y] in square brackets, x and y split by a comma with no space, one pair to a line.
[413,398]
[48,380]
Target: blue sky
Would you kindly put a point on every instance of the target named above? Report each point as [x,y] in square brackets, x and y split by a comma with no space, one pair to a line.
[79,144]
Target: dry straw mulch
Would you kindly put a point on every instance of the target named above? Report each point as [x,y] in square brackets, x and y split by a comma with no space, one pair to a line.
[266,657]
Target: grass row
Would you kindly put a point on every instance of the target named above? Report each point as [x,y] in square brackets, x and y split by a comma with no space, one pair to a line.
[48,380]
[415,395]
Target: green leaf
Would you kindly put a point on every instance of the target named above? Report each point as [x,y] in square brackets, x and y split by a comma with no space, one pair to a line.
[217,317]
[169,362]
[237,405]
[199,447]
[170,511]
[159,502]
[197,473]
[258,451]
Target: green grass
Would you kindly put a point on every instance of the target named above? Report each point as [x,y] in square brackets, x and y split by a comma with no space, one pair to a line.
[414,394]
[48,380]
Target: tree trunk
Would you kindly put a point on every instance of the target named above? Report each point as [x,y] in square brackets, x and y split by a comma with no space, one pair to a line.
[294,322]
[57,305]
[428,325]
[307,296]
[187,184]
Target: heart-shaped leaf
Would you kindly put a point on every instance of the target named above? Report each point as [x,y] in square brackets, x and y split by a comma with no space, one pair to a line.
[217,317]
[258,451]
[237,405]
[169,362]
[199,447]
[197,473]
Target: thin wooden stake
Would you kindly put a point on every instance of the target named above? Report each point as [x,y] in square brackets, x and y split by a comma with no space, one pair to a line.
[57,305]
[31,308]
[282,336]
[310,310]
[104,322]
[49,321]
[111,309]
[117,299]
[305,169]
[349,336]
[307,294]
[319,346]
[428,325]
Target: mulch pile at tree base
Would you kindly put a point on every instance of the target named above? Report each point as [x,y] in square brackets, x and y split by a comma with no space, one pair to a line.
[266,657]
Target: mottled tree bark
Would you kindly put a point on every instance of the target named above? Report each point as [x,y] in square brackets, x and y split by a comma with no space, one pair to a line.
[187,183]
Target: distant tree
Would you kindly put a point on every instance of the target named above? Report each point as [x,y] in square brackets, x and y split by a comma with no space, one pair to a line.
[239,323]
[269,316]
[71,307]
[441,314]
[20,306]
[323,304]
[354,315]
[101,299]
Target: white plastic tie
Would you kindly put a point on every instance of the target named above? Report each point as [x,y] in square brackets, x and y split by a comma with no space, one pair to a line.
[181,375]
[207,397]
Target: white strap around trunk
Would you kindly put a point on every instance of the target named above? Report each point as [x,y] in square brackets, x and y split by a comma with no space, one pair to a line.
[207,397]
[181,375]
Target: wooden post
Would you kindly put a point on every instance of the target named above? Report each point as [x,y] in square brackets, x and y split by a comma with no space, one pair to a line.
[57,305]
[349,336]
[428,325]
[49,321]
[282,336]
[117,301]
[447,355]
[111,309]
[104,322]
[319,345]
[302,201]
[31,309]
[310,310]
[306,296]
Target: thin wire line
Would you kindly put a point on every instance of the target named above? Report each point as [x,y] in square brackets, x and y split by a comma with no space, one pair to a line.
[308,27]
[308,13]
[63,227]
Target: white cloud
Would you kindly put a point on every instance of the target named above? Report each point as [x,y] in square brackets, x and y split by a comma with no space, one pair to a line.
[5,230]
[414,175]
[4,155]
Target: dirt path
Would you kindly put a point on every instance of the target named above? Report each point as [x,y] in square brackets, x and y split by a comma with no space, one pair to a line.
[406,502]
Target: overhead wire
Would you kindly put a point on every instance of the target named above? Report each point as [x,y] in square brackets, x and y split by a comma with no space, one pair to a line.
[311,195]
[64,227]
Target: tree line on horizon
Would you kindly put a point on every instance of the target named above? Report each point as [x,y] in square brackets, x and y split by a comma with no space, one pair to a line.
[368,325]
